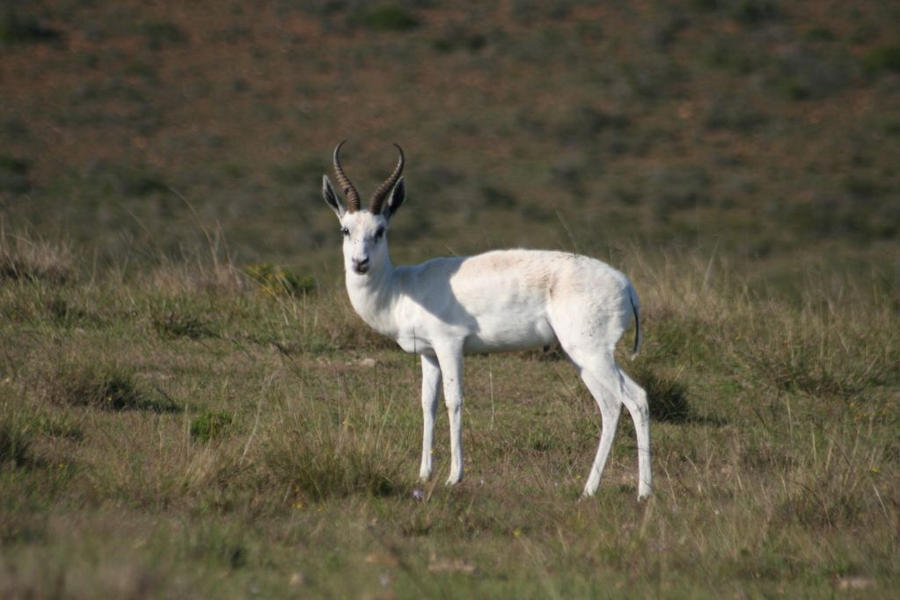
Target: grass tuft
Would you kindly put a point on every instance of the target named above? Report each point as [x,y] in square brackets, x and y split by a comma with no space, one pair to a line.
[15,442]
[210,424]
[318,459]
[173,324]
[105,387]
[317,468]
[25,259]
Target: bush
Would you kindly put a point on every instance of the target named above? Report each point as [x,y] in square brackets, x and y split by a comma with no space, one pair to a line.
[14,175]
[15,28]
[882,59]
[755,12]
[388,17]
[161,33]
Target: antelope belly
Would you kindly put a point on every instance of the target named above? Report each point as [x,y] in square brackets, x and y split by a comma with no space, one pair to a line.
[501,335]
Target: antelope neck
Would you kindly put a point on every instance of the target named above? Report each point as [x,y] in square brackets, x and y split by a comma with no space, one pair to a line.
[371,293]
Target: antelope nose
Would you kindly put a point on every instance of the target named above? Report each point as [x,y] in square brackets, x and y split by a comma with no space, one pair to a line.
[361,265]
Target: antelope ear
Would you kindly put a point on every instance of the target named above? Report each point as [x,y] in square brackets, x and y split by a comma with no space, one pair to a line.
[331,198]
[398,195]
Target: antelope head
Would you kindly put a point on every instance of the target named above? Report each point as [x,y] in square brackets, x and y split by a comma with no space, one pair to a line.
[364,229]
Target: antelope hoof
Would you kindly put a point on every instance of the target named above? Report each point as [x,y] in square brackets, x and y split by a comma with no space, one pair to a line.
[453,480]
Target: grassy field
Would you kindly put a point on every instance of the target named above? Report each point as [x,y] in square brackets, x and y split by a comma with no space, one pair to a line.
[189,406]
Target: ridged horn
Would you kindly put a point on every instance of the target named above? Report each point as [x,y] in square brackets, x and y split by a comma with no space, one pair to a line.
[381,193]
[343,181]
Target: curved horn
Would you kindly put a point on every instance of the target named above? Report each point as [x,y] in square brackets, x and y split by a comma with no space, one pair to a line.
[381,193]
[347,187]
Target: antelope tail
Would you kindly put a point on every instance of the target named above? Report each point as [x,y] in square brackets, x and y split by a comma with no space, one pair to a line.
[635,308]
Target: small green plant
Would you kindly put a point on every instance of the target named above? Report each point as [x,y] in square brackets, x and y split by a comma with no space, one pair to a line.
[210,424]
[278,281]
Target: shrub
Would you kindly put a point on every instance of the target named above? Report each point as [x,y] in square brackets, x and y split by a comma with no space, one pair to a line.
[733,113]
[388,17]
[882,59]
[804,72]
[755,12]
[496,197]
[15,28]
[161,33]
[14,175]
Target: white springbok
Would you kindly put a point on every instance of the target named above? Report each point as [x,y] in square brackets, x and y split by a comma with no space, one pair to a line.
[500,300]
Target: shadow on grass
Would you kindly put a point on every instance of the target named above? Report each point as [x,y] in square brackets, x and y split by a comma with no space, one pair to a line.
[668,400]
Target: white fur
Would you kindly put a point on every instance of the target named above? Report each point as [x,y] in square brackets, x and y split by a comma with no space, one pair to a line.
[500,300]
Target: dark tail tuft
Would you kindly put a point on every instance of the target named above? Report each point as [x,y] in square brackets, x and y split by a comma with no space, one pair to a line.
[637,323]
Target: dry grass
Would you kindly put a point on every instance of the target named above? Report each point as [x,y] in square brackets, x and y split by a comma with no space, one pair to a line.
[23,257]
[771,477]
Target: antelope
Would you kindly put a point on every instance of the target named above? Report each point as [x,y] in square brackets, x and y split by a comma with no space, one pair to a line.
[497,301]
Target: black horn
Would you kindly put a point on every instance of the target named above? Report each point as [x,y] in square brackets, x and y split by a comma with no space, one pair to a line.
[381,193]
[343,181]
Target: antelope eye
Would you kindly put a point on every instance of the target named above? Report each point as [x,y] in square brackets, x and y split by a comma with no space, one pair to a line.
[379,233]
[345,232]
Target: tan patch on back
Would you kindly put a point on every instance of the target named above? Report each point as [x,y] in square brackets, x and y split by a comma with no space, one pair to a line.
[532,269]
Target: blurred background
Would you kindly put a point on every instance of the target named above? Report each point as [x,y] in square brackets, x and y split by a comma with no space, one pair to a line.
[763,131]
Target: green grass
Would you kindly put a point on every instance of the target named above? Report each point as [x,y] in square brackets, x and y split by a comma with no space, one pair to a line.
[189,406]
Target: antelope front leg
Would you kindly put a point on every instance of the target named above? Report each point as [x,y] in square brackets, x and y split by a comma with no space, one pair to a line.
[431,383]
[450,360]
